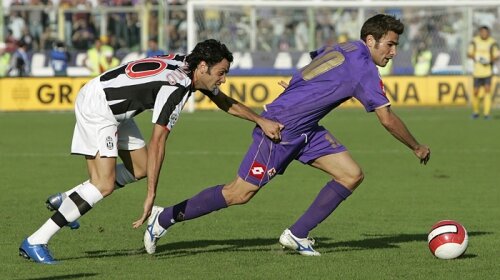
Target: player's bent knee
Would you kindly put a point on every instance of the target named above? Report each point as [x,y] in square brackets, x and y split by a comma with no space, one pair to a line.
[238,192]
[141,174]
[105,190]
[352,180]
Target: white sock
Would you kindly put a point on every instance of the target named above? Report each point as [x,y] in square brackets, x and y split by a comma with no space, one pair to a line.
[86,196]
[43,234]
[67,193]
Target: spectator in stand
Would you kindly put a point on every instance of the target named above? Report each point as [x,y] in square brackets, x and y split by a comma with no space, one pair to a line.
[10,42]
[422,60]
[83,35]
[301,34]
[48,39]
[278,23]
[59,58]
[133,31]
[68,21]
[95,54]
[35,22]
[16,24]
[4,59]
[325,31]
[20,64]
[153,49]
[27,39]
[118,23]
[108,61]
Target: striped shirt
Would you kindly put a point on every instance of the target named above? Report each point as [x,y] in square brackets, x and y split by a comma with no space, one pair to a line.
[161,84]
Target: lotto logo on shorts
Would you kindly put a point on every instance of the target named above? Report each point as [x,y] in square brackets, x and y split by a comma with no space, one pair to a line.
[258,170]
[109,143]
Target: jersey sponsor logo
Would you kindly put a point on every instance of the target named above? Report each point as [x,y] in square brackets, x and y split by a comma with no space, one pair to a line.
[109,143]
[258,170]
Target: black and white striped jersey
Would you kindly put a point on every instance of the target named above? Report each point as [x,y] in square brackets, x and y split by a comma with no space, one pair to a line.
[157,83]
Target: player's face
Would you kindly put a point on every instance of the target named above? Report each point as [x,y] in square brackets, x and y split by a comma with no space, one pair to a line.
[211,78]
[383,50]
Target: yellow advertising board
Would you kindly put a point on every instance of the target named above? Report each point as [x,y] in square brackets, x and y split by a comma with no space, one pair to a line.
[39,94]
[53,94]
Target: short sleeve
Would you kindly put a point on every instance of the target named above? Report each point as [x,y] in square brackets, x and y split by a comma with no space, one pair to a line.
[371,92]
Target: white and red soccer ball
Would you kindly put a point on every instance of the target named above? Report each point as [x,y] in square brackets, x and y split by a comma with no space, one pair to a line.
[447,239]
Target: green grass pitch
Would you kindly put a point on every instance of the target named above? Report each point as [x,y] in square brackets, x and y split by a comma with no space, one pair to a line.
[380,232]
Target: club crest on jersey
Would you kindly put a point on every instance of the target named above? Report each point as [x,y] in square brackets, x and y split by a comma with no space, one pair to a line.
[271,172]
[258,170]
[109,143]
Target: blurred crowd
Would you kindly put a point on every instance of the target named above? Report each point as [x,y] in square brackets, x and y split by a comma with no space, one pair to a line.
[36,23]
[78,25]
[52,26]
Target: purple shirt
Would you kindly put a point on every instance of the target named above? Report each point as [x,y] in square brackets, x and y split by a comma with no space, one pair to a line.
[336,74]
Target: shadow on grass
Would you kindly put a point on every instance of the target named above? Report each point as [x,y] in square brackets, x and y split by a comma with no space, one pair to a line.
[67,276]
[325,244]
[380,241]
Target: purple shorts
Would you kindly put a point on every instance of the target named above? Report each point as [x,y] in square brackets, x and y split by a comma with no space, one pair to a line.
[264,159]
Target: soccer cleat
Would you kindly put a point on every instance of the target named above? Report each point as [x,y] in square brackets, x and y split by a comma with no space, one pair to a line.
[302,245]
[153,231]
[53,203]
[475,116]
[38,253]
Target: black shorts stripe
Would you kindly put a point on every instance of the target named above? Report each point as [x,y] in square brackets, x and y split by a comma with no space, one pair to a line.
[59,219]
[83,206]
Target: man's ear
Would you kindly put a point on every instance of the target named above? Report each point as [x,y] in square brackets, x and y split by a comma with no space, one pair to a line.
[202,67]
[370,41]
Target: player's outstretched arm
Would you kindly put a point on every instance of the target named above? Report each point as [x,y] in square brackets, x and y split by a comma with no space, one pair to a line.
[271,128]
[156,154]
[398,129]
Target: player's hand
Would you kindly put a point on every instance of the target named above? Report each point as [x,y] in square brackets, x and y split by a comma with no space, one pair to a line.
[271,128]
[148,206]
[423,153]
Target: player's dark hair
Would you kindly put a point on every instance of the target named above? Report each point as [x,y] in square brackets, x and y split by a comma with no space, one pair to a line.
[211,51]
[379,25]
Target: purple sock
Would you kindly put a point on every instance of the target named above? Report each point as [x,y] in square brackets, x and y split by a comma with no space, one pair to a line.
[325,203]
[207,201]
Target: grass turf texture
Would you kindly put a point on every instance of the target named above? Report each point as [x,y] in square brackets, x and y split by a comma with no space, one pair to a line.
[380,232]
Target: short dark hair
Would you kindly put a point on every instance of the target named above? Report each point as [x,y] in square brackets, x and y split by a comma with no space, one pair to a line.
[379,25]
[211,51]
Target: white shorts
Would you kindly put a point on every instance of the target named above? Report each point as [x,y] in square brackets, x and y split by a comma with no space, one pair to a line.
[97,130]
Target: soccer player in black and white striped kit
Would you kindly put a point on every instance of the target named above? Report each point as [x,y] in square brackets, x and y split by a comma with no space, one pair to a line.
[105,129]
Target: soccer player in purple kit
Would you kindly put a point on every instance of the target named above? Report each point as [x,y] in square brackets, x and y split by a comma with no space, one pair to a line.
[105,129]
[335,74]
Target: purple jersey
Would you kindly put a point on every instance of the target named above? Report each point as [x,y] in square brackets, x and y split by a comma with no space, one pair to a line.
[336,74]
